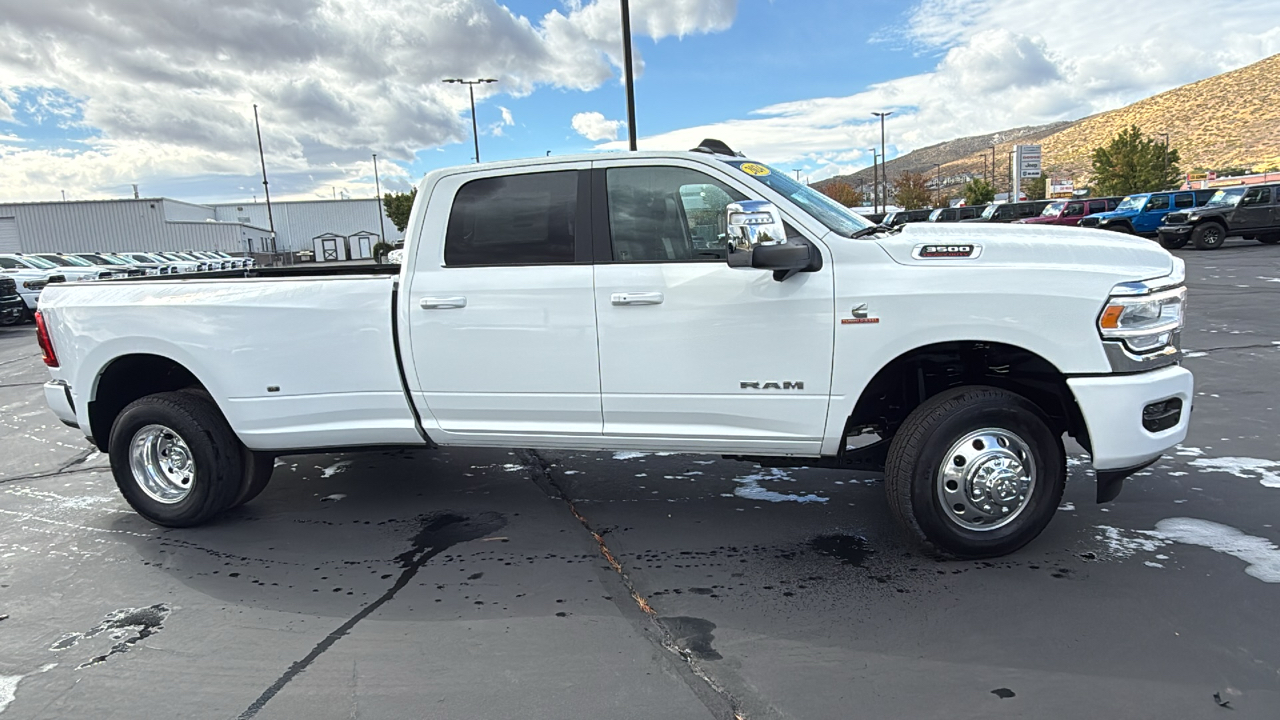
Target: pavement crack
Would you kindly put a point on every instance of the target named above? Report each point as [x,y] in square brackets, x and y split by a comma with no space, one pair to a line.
[438,532]
[41,476]
[14,385]
[541,471]
[1267,346]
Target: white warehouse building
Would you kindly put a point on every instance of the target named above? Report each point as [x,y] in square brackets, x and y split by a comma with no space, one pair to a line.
[332,229]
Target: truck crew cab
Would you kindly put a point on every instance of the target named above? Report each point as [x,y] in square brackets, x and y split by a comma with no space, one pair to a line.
[690,302]
[1249,212]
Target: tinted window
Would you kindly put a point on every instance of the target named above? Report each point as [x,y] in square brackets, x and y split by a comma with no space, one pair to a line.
[1184,201]
[667,214]
[514,220]
[1157,202]
[1096,206]
[1074,210]
[11,264]
[1257,196]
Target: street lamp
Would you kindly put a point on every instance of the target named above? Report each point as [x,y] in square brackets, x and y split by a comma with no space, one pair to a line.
[627,72]
[993,168]
[471,84]
[938,183]
[875,182]
[883,155]
[1166,155]
[382,222]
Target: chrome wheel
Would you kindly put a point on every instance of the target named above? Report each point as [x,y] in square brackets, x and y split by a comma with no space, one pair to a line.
[986,479]
[162,464]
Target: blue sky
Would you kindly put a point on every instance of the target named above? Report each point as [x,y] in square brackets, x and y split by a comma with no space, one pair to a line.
[161,94]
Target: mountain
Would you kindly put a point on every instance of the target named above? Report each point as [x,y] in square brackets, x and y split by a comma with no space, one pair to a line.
[1228,120]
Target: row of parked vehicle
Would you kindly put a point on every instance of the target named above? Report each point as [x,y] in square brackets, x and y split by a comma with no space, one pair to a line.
[24,275]
[1204,218]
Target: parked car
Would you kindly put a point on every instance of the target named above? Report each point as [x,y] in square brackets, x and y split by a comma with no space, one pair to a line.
[959,348]
[956,214]
[161,265]
[902,217]
[201,264]
[241,260]
[116,264]
[30,282]
[1142,214]
[1249,212]
[69,262]
[216,261]
[1070,212]
[12,308]
[72,274]
[1009,212]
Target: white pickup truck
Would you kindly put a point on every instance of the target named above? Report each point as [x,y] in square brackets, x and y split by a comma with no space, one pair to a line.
[673,301]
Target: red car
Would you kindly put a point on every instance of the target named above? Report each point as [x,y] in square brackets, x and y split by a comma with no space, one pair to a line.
[1069,212]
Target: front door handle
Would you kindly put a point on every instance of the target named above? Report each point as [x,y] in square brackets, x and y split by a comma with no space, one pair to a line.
[442,303]
[637,298]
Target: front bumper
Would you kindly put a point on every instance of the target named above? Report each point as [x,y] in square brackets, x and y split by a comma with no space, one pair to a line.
[1173,230]
[1113,407]
[57,394]
[11,310]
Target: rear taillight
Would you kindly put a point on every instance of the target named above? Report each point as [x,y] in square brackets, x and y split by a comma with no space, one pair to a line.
[46,345]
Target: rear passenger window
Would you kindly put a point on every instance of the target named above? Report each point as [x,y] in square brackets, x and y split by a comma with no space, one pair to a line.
[1073,210]
[667,214]
[1184,201]
[1158,202]
[1257,196]
[514,220]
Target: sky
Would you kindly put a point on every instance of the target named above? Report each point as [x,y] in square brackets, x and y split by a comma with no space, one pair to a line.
[98,96]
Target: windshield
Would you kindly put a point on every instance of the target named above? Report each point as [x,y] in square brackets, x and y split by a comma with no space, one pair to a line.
[1227,197]
[94,259]
[990,211]
[836,217]
[1054,209]
[1132,202]
[113,260]
[67,260]
[39,262]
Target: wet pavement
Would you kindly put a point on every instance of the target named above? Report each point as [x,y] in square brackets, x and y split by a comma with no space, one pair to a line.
[464,583]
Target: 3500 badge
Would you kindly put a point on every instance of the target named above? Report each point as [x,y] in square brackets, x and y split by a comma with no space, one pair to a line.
[968,250]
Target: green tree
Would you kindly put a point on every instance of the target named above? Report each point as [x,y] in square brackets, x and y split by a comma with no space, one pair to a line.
[398,206]
[978,192]
[843,193]
[1035,188]
[911,191]
[1133,163]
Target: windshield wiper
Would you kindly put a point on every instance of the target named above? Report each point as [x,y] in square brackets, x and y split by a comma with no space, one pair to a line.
[871,231]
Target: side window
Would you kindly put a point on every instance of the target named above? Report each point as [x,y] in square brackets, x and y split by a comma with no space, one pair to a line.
[1073,210]
[514,220]
[1096,206]
[1158,202]
[667,214]
[1184,201]
[1256,196]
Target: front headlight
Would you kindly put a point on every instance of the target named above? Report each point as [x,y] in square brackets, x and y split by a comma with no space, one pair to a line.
[1192,218]
[1103,221]
[34,284]
[1144,323]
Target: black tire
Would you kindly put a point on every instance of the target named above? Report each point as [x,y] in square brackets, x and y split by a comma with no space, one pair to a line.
[217,453]
[1123,227]
[1173,242]
[1269,239]
[1208,236]
[257,473]
[913,470]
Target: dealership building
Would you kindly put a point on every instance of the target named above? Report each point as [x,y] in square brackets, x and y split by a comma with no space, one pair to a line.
[330,229]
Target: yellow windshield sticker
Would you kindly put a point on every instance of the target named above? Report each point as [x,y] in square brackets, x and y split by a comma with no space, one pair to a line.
[754,169]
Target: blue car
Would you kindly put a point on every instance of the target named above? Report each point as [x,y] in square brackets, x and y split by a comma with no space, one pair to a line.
[1142,214]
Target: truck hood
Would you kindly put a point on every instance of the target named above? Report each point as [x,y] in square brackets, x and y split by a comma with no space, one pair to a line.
[1114,214]
[1040,246]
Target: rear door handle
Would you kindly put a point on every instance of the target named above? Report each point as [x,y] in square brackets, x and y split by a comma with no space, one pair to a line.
[442,303]
[637,298]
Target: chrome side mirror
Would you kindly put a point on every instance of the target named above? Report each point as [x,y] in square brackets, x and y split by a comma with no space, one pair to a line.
[752,223]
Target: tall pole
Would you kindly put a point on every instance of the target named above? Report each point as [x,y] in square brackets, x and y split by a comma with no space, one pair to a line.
[271,223]
[475,132]
[1166,157]
[875,183]
[993,170]
[382,216]
[938,200]
[884,176]
[626,65]
[1012,187]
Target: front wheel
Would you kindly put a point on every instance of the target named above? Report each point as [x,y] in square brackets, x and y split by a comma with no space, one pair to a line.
[1208,236]
[1173,242]
[975,472]
[175,459]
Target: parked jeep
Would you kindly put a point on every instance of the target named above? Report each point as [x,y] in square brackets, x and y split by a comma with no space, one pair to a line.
[1071,212]
[1009,212]
[1142,213]
[1250,212]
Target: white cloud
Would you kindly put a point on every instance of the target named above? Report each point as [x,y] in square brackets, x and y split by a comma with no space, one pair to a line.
[1002,64]
[594,126]
[335,79]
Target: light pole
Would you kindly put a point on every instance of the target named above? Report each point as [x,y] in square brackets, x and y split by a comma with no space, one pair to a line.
[382,223]
[1011,197]
[471,90]
[883,155]
[271,222]
[797,172]
[626,66]
[875,183]
[1166,155]
[938,182]
[993,168]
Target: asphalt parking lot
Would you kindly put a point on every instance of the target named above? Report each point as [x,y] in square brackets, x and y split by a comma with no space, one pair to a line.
[495,584]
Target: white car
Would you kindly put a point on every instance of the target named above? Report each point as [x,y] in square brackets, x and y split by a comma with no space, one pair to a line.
[30,281]
[71,273]
[682,302]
